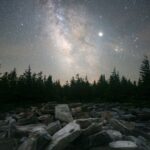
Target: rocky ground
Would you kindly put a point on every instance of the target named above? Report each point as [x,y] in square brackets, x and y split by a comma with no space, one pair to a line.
[76,126]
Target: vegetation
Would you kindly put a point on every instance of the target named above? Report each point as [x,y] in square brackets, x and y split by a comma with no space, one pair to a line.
[34,88]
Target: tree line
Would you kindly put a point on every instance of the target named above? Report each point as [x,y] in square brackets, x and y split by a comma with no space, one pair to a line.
[35,87]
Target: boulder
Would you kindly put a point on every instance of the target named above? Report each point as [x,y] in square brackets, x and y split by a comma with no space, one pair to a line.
[38,140]
[84,123]
[29,128]
[100,148]
[142,143]
[123,145]
[91,129]
[114,134]
[53,127]
[102,138]
[76,111]
[123,127]
[99,139]
[46,119]
[29,144]
[31,119]
[65,136]
[11,126]
[42,137]
[63,113]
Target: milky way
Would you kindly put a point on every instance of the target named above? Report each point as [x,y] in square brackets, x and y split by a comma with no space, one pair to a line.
[66,37]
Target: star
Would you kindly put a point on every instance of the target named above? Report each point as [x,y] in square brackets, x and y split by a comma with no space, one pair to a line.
[100,34]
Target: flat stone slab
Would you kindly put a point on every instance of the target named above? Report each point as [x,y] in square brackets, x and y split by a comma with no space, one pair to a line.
[63,113]
[114,134]
[29,128]
[123,145]
[53,127]
[63,137]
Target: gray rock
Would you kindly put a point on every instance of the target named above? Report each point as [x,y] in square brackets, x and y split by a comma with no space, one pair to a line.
[53,127]
[114,135]
[65,136]
[42,137]
[11,126]
[31,119]
[91,129]
[84,123]
[125,128]
[29,128]
[76,111]
[38,140]
[123,145]
[142,143]
[29,144]
[100,148]
[46,119]
[62,112]
[99,139]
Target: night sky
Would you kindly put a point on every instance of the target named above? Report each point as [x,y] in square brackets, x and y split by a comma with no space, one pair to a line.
[66,37]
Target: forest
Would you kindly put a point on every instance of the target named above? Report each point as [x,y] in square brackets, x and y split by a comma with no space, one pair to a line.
[32,88]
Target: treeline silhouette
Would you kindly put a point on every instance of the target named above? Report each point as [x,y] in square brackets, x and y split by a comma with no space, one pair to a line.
[35,87]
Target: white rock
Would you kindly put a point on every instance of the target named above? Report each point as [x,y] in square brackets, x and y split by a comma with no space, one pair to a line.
[63,113]
[123,145]
[64,136]
[114,135]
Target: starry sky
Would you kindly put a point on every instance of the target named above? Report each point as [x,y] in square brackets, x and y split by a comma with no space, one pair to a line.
[66,37]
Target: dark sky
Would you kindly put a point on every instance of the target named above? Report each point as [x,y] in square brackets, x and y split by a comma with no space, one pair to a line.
[66,37]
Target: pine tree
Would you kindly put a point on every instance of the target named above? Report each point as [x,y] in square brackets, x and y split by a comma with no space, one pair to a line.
[144,81]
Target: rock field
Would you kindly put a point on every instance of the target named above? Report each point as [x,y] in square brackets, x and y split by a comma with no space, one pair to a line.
[76,126]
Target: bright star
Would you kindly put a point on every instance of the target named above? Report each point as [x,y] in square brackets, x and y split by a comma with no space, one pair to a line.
[100,34]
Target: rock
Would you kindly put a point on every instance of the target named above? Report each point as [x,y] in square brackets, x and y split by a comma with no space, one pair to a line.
[123,145]
[42,136]
[94,113]
[29,144]
[29,128]
[65,136]
[106,115]
[91,129]
[114,135]
[84,123]
[53,127]
[46,119]
[31,119]
[121,126]
[99,139]
[100,148]
[142,143]
[38,140]
[76,111]
[11,126]
[8,144]
[62,112]
[88,128]
[74,105]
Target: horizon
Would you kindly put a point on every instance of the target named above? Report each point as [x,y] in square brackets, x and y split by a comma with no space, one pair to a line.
[107,77]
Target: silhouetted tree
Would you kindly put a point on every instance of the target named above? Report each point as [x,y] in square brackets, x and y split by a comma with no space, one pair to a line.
[114,86]
[144,81]
[102,87]
[34,87]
